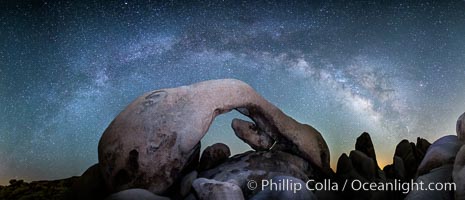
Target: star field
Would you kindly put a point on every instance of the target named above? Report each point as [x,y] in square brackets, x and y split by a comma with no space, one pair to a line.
[394,69]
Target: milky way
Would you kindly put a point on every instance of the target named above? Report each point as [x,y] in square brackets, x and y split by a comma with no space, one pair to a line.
[393,69]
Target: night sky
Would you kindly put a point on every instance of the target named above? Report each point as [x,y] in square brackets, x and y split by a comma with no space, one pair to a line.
[391,68]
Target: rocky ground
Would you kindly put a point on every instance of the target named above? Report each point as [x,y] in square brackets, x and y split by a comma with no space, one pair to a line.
[40,190]
[152,151]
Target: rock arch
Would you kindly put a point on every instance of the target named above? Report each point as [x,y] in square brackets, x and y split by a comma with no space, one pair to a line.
[156,136]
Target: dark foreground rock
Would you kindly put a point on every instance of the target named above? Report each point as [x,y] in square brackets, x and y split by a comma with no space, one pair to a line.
[213,155]
[90,185]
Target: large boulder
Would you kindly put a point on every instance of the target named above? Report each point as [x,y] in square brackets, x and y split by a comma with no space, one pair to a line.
[438,177]
[258,166]
[214,155]
[458,174]
[406,151]
[152,141]
[461,128]
[441,152]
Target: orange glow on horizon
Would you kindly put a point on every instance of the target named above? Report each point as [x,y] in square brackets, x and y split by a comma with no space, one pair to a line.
[381,163]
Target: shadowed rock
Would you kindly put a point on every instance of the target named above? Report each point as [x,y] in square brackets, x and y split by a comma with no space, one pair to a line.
[344,165]
[461,128]
[213,156]
[421,148]
[458,174]
[346,170]
[90,185]
[406,151]
[441,152]
[363,164]
[398,168]
[186,183]
[150,143]
[208,189]
[365,145]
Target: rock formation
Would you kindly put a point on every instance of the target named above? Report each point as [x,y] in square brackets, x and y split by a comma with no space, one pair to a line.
[421,146]
[441,152]
[364,165]
[359,165]
[90,185]
[365,145]
[248,132]
[254,165]
[155,138]
[461,128]
[186,183]
[441,175]
[458,174]
[213,156]
[406,151]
